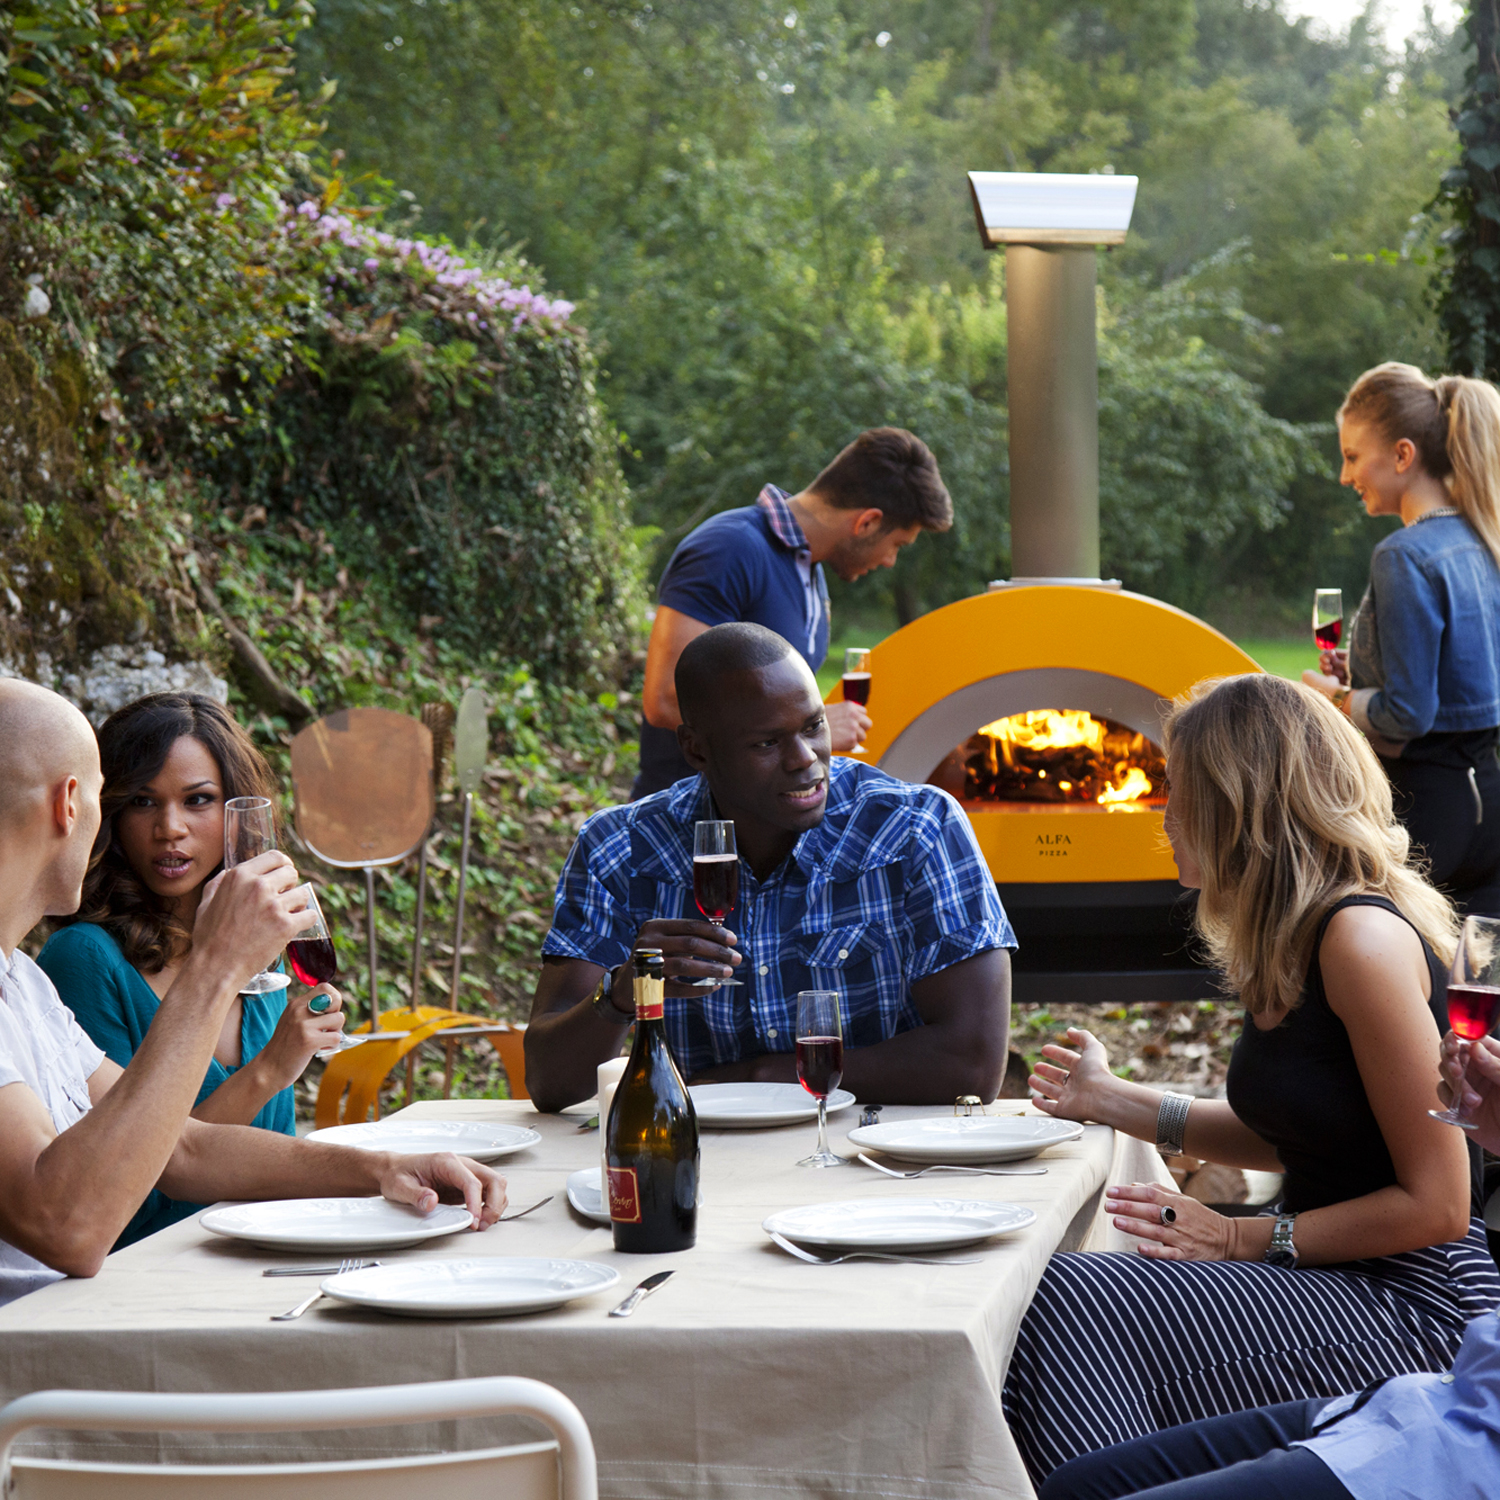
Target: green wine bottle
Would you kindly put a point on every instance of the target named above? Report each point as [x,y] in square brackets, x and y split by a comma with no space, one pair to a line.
[652,1133]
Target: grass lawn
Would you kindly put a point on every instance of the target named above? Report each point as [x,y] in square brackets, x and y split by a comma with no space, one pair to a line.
[1284,658]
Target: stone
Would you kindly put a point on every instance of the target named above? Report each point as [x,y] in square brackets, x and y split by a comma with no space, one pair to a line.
[116,675]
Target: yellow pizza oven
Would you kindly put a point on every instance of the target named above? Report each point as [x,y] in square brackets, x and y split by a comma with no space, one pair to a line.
[1039,707]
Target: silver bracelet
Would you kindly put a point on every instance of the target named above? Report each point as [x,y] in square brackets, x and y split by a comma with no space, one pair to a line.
[1171,1123]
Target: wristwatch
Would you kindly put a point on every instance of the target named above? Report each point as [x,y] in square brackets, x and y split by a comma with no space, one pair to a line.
[1283,1253]
[1341,698]
[604,1001]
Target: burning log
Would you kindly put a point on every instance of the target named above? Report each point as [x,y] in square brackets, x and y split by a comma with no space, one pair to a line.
[1050,755]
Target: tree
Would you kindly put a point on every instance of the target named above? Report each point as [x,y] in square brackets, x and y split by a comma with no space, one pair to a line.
[1469,288]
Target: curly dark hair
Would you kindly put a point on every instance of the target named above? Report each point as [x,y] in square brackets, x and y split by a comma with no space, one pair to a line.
[134,743]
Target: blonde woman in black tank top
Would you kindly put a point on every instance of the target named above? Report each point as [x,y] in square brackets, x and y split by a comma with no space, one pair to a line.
[1336,945]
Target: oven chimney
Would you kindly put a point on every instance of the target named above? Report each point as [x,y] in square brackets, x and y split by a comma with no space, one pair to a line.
[1051,224]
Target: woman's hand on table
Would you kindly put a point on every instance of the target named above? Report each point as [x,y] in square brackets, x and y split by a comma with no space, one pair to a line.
[1196,1233]
[1480,1084]
[441,1177]
[1073,1083]
[300,1032]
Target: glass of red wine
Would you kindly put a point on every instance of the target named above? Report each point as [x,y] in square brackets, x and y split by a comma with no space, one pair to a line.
[314,961]
[1328,618]
[250,830]
[820,1062]
[856,680]
[1473,998]
[716,879]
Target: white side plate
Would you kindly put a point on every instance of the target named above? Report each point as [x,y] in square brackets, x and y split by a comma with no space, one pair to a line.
[961,1138]
[471,1138]
[317,1224]
[586,1196]
[897,1223]
[756,1106]
[501,1286]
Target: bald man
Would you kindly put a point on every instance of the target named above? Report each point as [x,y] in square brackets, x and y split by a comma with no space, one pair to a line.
[849,880]
[82,1141]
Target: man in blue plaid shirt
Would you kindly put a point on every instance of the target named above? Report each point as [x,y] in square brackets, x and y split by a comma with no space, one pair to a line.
[850,880]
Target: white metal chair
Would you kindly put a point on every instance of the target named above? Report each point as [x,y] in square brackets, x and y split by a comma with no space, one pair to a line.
[563,1469]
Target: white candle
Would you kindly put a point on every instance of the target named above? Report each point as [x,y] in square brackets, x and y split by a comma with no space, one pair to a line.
[609,1075]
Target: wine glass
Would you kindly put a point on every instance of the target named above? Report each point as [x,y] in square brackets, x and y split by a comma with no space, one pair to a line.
[314,961]
[716,879]
[820,1061]
[1328,618]
[1473,998]
[250,831]
[856,680]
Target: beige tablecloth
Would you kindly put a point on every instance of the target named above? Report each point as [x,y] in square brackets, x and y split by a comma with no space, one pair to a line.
[748,1376]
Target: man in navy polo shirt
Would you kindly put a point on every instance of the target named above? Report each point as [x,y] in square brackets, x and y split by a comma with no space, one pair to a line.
[763,564]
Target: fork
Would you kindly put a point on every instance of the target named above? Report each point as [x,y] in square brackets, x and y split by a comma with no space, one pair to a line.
[968,1171]
[338,1270]
[299,1309]
[521,1213]
[838,1260]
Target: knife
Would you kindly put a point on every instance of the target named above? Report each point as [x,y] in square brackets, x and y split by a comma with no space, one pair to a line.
[645,1289]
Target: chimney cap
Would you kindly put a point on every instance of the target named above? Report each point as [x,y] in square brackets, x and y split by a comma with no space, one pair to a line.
[1052,208]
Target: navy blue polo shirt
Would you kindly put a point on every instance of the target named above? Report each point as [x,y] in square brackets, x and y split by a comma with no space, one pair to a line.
[736,566]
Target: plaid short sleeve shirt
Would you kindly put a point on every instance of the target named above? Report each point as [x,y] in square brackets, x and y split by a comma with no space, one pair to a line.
[889,888]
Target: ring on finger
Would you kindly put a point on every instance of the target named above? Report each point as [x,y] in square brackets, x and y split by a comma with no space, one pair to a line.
[1168,1214]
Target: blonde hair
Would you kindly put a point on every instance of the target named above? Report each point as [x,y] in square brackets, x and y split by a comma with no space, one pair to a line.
[1287,811]
[1454,424]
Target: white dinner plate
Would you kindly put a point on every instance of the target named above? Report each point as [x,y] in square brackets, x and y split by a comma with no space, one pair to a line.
[586,1196]
[317,1224]
[501,1286]
[755,1106]
[965,1138]
[898,1223]
[472,1138]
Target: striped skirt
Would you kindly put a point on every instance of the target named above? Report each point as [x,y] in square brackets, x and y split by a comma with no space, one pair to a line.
[1116,1346]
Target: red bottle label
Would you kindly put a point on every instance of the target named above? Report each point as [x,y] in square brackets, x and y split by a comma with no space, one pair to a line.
[624,1198]
[649,1009]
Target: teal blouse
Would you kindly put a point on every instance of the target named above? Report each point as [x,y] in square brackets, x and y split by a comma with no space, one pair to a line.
[115,1005]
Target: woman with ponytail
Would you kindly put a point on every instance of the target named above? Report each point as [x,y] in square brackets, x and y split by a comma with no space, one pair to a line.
[1421,676]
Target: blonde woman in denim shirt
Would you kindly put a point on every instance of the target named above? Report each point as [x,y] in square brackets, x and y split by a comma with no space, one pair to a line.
[1421,676]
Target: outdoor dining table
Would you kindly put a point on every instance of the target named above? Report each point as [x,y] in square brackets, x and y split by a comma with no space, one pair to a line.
[749,1374]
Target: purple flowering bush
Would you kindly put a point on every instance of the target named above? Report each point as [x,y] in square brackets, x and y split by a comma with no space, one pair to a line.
[206,313]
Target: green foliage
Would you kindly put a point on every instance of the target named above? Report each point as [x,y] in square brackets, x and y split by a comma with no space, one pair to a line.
[764,207]
[1190,460]
[557,753]
[126,129]
[453,451]
[387,458]
[213,313]
[1469,296]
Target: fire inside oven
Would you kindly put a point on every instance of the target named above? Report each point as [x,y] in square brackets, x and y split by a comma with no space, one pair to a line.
[1061,756]
[1057,756]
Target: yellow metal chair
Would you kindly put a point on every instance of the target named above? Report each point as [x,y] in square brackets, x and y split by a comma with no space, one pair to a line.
[352,1080]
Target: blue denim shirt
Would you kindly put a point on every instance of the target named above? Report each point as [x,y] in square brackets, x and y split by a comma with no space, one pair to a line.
[1426,641]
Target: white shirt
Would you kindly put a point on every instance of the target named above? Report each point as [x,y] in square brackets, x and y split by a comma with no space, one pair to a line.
[45,1050]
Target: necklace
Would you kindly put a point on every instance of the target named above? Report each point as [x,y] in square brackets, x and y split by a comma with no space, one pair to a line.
[1433,515]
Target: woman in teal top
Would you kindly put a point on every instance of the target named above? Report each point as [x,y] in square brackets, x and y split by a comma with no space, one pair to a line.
[170,762]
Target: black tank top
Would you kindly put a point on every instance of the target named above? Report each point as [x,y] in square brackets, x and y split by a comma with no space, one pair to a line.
[1297,1086]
